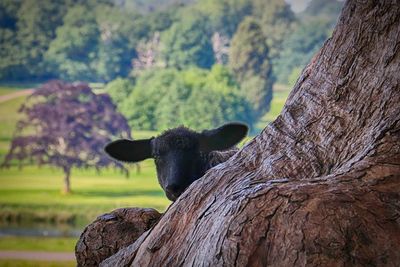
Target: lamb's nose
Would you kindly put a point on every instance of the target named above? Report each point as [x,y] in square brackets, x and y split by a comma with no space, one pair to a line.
[174,189]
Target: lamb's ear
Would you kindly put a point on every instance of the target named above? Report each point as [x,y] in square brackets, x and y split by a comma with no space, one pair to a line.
[129,150]
[223,137]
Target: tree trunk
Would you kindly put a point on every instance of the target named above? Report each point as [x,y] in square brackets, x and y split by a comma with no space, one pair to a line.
[320,186]
[67,182]
[112,231]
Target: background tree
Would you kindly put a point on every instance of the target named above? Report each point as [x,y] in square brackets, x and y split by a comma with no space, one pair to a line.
[95,42]
[188,42]
[300,46]
[148,55]
[220,44]
[168,112]
[328,10]
[249,60]
[34,25]
[168,97]
[275,19]
[202,99]
[161,20]
[119,90]
[8,13]
[148,6]
[150,87]
[307,33]
[9,67]
[8,41]
[118,40]
[214,99]
[74,50]
[225,15]
[66,126]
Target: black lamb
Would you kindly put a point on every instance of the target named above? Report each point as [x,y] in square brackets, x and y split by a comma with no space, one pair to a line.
[181,155]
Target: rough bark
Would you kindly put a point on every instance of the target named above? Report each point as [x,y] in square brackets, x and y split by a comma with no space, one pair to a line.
[111,232]
[320,186]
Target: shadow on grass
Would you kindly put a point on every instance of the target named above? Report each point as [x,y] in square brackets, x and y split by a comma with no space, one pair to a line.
[131,193]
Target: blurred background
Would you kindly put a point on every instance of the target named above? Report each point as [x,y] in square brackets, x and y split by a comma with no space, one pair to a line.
[76,74]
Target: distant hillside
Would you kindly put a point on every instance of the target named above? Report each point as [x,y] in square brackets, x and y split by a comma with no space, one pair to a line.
[147,6]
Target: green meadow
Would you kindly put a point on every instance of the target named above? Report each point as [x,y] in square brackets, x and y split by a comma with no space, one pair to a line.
[5,91]
[52,244]
[32,195]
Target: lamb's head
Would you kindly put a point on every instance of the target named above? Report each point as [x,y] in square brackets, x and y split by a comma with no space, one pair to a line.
[180,154]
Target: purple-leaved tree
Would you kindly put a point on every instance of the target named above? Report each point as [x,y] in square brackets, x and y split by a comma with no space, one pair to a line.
[66,125]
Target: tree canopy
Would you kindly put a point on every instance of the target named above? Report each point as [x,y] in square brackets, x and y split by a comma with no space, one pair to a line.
[249,60]
[257,43]
[94,40]
[299,46]
[66,126]
[188,42]
[167,98]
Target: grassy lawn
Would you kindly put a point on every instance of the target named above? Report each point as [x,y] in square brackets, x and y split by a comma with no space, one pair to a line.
[59,244]
[34,193]
[22,263]
[9,116]
[6,90]
[8,119]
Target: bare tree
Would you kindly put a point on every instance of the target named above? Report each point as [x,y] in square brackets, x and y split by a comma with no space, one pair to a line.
[148,54]
[220,44]
[320,186]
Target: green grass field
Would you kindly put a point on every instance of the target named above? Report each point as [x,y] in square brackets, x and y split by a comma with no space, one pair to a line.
[6,90]
[33,195]
[52,244]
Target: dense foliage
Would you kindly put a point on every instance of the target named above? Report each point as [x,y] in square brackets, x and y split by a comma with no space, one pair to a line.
[300,46]
[188,43]
[155,45]
[167,98]
[250,62]
[66,125]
